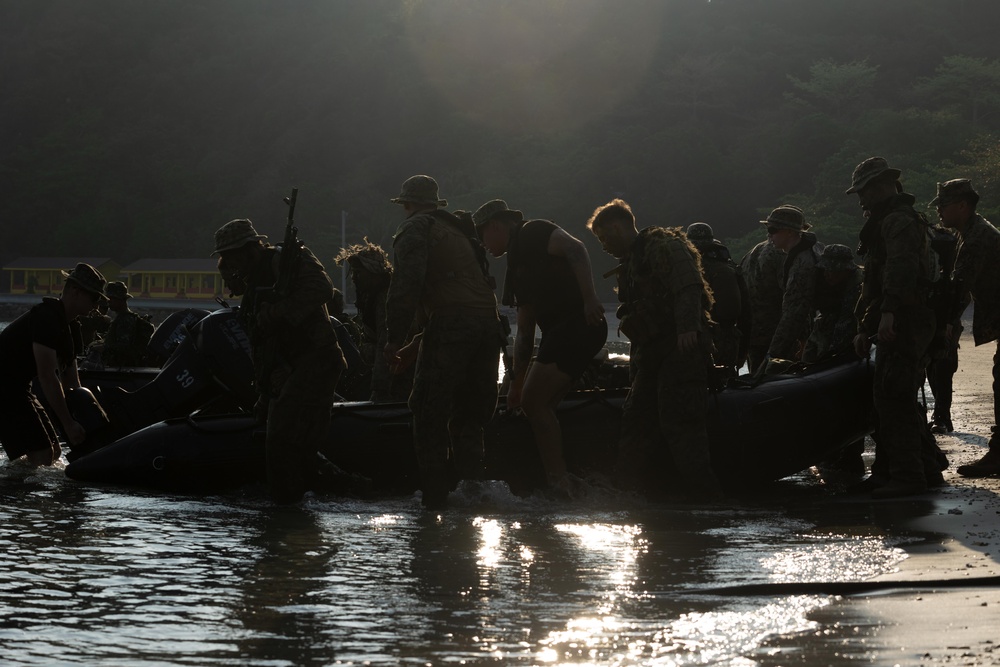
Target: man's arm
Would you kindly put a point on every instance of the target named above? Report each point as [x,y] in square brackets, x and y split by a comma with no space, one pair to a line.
[47,365]
[561,244]
[524,345]
[410,254]
[797,308]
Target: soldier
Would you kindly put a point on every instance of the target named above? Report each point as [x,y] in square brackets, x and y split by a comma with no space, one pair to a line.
[786,227]
[371,272]
[129,333]
[977,278]
[664,313]
[551,283]
[894,307]
[297,360]
[94,325]
[731,310]
[762,269]
[441,285]
[45,342]
[838,286]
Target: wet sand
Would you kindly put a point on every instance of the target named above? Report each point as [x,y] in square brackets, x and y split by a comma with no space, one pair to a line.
[930,625]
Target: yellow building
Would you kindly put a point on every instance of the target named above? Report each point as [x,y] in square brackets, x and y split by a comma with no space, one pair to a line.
[173,278]
[43,275]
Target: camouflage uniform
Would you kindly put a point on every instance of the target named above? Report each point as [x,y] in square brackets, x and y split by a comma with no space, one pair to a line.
[126,340]
[439,282]
[371,272]
[762,269]
[896,280]
[297,363]
[731,310]
[977,276]
[94,326]
[798,303]
[834,327]
[662,286]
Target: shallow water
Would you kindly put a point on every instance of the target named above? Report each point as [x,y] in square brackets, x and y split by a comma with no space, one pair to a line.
[110,576]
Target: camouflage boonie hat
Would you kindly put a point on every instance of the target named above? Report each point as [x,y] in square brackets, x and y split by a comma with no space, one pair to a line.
[235,234]
[787,216]
[955,190]
[491,209]
[870,169]
[365,256]
[837,257]
[86,277]
[117,290]
[700,231]
[419,189]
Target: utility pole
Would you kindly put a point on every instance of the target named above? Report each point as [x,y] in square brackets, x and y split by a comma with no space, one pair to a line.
[343,244]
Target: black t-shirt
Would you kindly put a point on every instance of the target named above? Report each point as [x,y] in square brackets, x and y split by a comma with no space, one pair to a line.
[45,324]
[543,281]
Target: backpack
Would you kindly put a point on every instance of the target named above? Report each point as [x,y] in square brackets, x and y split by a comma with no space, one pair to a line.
[943,252]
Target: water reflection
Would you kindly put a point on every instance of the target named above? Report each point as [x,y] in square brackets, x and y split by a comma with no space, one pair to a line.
[106,576]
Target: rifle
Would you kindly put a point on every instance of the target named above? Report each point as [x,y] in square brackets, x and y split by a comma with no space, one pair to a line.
[287,265]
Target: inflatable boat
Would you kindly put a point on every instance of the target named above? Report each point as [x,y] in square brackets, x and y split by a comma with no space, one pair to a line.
[759,430]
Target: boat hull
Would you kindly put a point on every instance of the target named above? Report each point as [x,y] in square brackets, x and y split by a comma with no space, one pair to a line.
[757,433]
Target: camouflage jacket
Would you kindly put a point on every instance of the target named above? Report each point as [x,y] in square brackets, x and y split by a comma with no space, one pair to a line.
[898,262]
[299,323]
[663,273]
[126,340]
[798,303]
[437,268]
[762,269]
[834,327]
[977,277]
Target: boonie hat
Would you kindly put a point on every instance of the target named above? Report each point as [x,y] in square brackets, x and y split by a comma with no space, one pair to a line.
[117,290]
[491,209]
[700,231]
[419,189]
[235,234]
[868,170]
[955,190]
[86,277]
[787,216]
[837,257]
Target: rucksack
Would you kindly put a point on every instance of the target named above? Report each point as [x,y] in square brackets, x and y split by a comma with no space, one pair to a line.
[943,252]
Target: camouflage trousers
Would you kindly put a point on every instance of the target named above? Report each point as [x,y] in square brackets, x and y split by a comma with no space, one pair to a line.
[454,396]
[940,377]
[667,403]
[298,418]
[899,374]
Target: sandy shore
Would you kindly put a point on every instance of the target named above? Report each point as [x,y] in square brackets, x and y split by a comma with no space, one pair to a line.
[919,624]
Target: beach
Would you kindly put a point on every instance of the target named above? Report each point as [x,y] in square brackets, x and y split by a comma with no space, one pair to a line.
[915,623]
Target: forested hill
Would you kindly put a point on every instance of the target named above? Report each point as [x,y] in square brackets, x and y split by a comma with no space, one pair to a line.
[135,128]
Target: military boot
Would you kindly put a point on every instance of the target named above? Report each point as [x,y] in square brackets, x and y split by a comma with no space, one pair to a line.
[987,466]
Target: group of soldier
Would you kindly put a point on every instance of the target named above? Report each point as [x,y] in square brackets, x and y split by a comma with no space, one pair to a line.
[433,332]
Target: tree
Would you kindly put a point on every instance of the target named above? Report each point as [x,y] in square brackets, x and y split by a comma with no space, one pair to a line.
[840,90]
[971,85]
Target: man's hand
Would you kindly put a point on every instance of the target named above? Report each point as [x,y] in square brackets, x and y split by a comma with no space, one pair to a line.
[886,328]
[407,356]
[687,341]
[75,433]
[862,345]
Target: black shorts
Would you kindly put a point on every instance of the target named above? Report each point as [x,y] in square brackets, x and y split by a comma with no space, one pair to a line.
[24,425]
[571,345]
